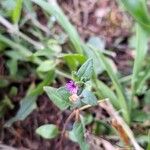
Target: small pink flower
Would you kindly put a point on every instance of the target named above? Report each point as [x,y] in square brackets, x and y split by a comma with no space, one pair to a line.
[72,87]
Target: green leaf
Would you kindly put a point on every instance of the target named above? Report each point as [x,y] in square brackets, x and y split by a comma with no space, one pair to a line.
[46,66]
[44,52]
[85,71]
[48,131]
[13,91]
[140,116]
[3,83]
[49,78]
[28,103]
[13,66]
[97,64]
[54,46]
[78,131]
[2,47]
[98,43]
[15,55]
[141,79]
[141,51]
[63,92]
[88,97]
[138,9]
[121,98]
[88,119]
[24,52]
[106,92]
[59,97]
[55,10]
[8,5]
[74,60]
[148,145]
[72,137]
[17,11]
[147,98]
[5,104]
[29,7]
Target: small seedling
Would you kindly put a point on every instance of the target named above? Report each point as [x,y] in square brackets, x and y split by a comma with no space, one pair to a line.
[74,96]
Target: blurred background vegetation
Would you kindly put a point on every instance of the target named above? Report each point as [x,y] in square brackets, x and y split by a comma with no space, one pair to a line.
[42,42]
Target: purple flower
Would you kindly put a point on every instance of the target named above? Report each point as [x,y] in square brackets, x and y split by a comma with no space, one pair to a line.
[72,87]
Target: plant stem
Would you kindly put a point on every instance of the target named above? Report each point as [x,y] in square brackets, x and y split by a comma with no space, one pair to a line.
[13,29]
[59,72]
[88,106]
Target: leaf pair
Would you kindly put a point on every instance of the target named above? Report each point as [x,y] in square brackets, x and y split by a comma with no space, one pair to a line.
[77,135]
[60,97]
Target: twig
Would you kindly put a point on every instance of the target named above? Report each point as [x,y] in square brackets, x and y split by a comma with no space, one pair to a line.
[59,72]
[65,124]
[76,114]
[40,26]
[13,29]
[88,106]
[111,111]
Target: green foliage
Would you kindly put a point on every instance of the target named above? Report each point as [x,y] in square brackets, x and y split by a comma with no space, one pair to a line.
[13,66]
[55,10]
[87,119]
[147,98]
[105,91]
[48,131]
[5,104]
[74,60]
[24,52]
[122,101]
[100,45]
[141,51]
[24,57]
[78,134]
[46,66]
[138,9]
[60,97]
[140,116]
[17,11]
[86,70]
[88,97]
[142,77]
[3,83]
[28,103]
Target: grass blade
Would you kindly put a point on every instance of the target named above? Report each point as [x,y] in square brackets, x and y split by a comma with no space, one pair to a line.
[139,11]
[141,50]
[121,98]
[141,80]
[23,51]
[56,11]
[17,11]
[106,92]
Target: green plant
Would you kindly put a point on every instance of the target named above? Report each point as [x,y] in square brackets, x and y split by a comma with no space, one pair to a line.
[46,59]
[74,96]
